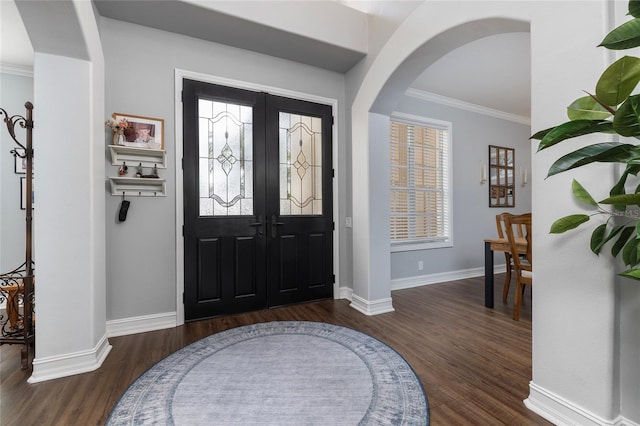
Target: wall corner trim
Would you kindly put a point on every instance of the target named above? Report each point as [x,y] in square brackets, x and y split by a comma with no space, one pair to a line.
[371,307]
[64,365]
[563,412]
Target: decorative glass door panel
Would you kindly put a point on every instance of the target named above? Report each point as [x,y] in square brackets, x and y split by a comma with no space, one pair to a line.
[225,147]
[300,147]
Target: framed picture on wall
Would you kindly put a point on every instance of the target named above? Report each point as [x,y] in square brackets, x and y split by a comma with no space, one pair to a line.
[23,194]
[20,166]
[142,132]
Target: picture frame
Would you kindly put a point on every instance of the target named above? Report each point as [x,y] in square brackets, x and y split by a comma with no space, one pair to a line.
[20,164]
[143,132]
[23,194]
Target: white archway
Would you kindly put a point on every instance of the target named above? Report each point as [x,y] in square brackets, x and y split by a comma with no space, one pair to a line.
[418,43]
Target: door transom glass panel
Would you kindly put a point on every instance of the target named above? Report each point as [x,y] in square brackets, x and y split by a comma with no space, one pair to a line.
[225,151]
[300,143]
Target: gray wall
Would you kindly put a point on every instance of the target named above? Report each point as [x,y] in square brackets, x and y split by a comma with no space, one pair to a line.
[15,90]
[473,220]
[140,64]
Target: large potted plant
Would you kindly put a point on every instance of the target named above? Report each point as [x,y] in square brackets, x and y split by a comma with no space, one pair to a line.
[612,109]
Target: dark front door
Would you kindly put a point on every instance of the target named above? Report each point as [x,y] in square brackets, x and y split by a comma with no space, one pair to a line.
[258,225]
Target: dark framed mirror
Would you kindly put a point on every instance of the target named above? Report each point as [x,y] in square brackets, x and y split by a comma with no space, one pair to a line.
[502,176]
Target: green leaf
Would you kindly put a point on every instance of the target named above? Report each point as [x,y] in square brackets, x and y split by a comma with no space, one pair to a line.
[567,223]
[581,194]
[631,273]
[597,238]
[586,108]
[622,240]
[630,252]
[596,246]
[626,36]
[619,188]
[572,129]
[634,8]
[605,152]
[618,81]
[625,121]
[539,135]
[626,199]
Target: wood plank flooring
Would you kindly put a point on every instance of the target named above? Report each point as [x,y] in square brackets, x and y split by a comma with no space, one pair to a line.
[474,363]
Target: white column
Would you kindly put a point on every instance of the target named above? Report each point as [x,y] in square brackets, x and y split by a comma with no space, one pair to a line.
[69,214]
[371,254]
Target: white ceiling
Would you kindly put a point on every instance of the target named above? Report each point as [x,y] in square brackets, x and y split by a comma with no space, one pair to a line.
[493,72]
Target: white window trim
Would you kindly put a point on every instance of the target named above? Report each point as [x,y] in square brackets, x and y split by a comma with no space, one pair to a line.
[444,125]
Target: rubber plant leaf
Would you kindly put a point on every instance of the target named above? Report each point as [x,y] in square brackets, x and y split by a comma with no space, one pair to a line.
[586,108]
[634,8]
[567,223]
[625,121]
[625,199]
[626,36]
[572,129]
[581,194]
[622,240]
[618,81]
[598,241]
[541,134]
[631,273]
[605,152]
[630,252]
[597,238]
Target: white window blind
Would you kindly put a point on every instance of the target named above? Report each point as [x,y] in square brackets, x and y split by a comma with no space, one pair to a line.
[420,176]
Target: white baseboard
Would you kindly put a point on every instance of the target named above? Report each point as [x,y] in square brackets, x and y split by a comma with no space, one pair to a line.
[70,364]
[562,412]
[417,281]
[141,324]
[371,307]
[344,293]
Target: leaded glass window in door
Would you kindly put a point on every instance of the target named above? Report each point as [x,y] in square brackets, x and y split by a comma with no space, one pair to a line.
[300,144]
[225,147]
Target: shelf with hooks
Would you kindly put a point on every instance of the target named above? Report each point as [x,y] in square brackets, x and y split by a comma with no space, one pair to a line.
[134,155]
[135,186]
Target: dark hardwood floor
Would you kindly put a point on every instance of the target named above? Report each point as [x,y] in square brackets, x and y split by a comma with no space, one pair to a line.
[474,363]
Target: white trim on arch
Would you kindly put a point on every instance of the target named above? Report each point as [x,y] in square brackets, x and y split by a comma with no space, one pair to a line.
[179,76]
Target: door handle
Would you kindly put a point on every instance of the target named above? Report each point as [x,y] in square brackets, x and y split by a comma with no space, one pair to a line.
[258,224]
[274,225]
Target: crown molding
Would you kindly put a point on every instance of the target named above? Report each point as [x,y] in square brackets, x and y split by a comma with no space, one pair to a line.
[443,100]
[21,70]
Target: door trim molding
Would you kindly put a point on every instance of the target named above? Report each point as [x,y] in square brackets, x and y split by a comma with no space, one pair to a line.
[179,75]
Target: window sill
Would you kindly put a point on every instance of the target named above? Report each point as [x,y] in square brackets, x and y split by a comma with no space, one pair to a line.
[399,247]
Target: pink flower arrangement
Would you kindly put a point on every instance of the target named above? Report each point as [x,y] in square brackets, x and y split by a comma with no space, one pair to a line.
[117,126]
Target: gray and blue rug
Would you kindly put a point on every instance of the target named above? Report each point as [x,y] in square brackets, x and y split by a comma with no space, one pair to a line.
[278,373]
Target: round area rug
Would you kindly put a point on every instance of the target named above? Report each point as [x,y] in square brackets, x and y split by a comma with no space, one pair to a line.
[277,373]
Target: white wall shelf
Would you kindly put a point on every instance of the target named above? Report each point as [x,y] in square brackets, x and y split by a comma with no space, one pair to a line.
[135,156]
[135,186]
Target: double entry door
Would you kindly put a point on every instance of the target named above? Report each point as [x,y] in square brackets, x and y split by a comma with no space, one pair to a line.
[258,225]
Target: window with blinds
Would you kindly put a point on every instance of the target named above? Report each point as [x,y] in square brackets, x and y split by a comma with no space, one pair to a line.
[420,183]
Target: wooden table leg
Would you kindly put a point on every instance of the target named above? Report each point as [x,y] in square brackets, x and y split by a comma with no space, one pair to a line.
[488,275]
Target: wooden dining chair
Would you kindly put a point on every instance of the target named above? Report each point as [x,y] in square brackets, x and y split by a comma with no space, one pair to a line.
[502,234]
[522,262]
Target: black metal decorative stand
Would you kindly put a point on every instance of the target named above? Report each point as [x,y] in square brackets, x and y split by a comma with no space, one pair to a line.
[17,324]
